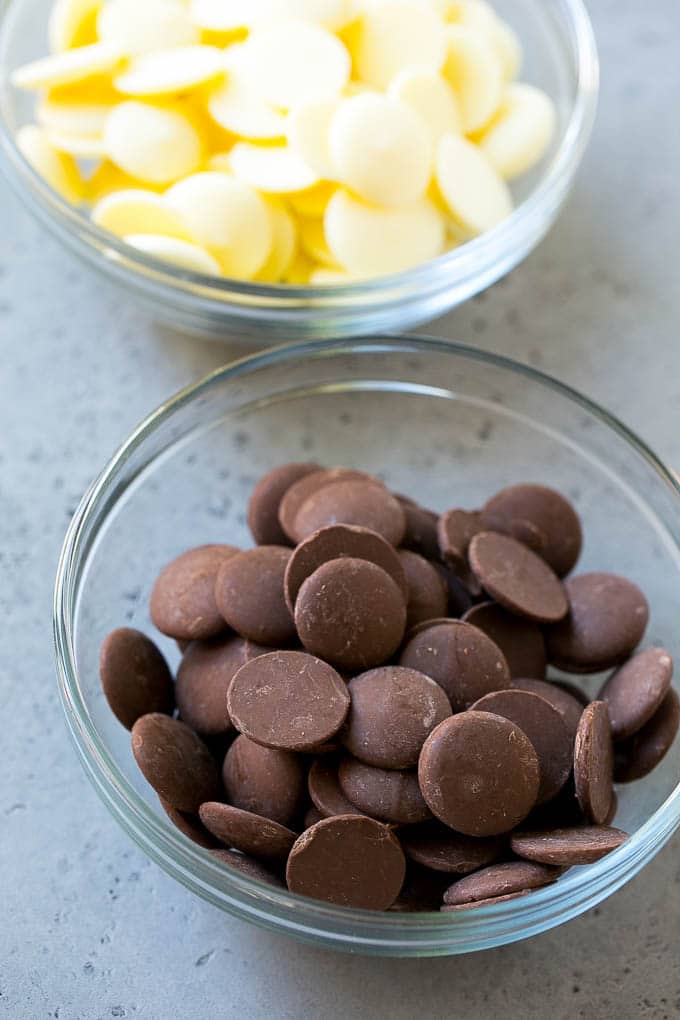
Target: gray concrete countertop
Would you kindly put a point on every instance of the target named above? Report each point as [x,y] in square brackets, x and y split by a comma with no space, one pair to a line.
[91,929]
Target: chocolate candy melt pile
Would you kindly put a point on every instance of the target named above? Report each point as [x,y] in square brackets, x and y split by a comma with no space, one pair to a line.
[362,710]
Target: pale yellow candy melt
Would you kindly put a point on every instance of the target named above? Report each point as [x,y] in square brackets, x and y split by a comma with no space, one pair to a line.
[73,116]
[480,15]
[370,240]
[308,129]
[140,26]
[380,148]
[227,217]
[284,243]
[274,169]
[180,253]
[58,169]
[171,71]
[72,23]
[519,136]
[152,143]
[394,35]
[68,67]
[474,71]
[135,211]
[291,62]
[476,195]
[431,97]
[237,107]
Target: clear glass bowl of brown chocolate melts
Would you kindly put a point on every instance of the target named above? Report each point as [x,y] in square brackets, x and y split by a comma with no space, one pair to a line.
[370,739]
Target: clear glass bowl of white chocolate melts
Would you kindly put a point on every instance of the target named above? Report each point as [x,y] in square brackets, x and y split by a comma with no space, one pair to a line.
[296,168]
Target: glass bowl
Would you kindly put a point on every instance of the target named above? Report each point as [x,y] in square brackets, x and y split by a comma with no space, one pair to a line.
[449,425]
[560,56]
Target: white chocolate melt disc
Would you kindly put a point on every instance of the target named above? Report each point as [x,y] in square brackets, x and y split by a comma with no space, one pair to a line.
[168,72]
[308,130]
[275,169]
[79,146]
[140,26]
[59,170]
[475,194]
[369,240]
[67,67]
[395,35]
[332,14]
[430,97]
[480,15]
[227,217]
[474,72]
[73,116]
[69,21]
[380,148]
[237,107]
[291,62]
[519,136]
[154,144]
[222,15]
[135,211]
[284,243]
[180,253]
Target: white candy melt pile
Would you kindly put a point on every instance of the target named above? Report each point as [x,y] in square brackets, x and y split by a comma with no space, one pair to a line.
[285,141]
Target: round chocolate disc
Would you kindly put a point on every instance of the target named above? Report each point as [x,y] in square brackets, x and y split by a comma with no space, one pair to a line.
[174,761]
[264,780]
[462,659]
[641,754]
[249,595]
[583,844]
[288,700]
[244,831]
[246,865]
[455,531]
[437,847]
[263,506]
[338,542]
[542,518]
[428,595]
[594,763]
[517,577]
[350,860]
[182,601]
[636,690]
[135,676]
[350,501]
[500,880]
[300,491]
[324,789]
[544,727]
[472,904]
[565,703]
[386,794]
[351,613]
[421,528]
[521,641]
[496,777]
[393,710]
[205,672]
[607,618]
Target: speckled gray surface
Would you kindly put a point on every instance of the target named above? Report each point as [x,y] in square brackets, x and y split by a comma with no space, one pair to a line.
[89,927]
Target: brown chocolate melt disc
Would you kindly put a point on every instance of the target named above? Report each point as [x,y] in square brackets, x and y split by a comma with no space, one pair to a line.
[517,577]
[263,506]
[349,860]
[249,595]
[495,782]
[542,518]
[174,761]
[288,700]
[182,601]
[135,676]
[594,763]
[636,690]
[247,832]
[566,847]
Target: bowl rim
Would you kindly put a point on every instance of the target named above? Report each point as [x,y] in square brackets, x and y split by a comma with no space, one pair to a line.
[247,897]
[452,265]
